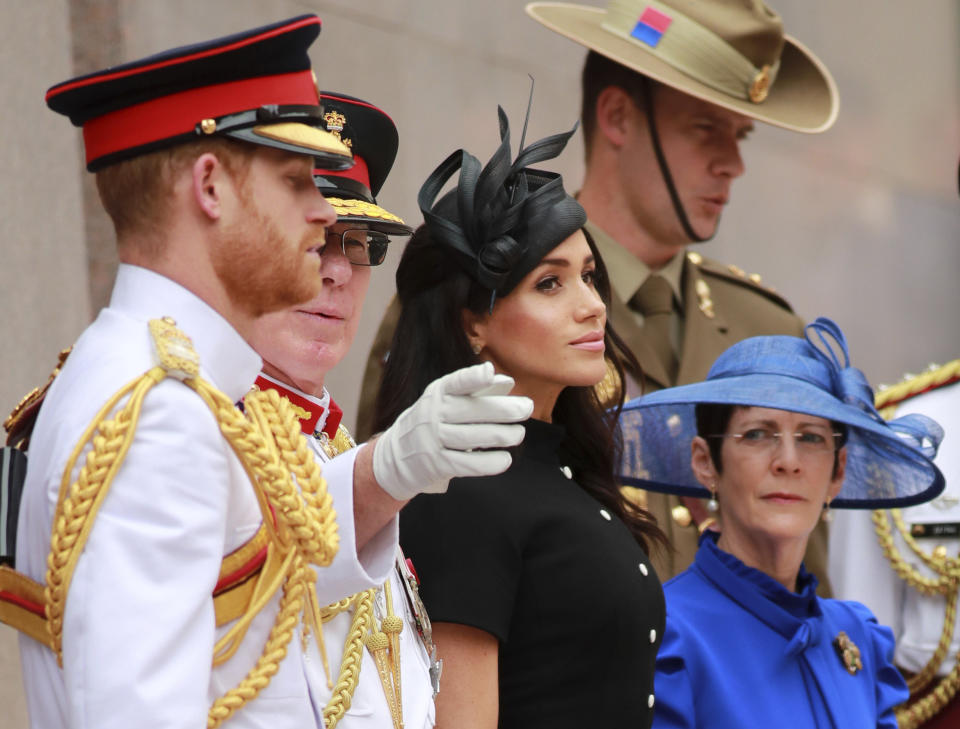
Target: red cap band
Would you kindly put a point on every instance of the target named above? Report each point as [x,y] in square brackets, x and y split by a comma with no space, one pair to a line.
[358,172]
[170,116]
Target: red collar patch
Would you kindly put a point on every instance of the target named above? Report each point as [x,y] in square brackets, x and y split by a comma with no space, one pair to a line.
[308,411]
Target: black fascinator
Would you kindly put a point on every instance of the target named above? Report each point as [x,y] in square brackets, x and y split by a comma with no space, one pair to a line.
[501,220]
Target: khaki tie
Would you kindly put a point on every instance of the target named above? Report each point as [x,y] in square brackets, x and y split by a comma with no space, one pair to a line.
[655,301]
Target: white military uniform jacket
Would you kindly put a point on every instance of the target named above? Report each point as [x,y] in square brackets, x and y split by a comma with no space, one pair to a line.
[369,709]
[859,571]
[139,628]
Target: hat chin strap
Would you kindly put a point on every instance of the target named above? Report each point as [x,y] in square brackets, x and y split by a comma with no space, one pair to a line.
[665,170]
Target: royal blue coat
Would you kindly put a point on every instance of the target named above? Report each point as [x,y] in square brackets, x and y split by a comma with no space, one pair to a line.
[740,650]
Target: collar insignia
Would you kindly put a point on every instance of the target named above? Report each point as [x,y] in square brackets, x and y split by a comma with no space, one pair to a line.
[306,410]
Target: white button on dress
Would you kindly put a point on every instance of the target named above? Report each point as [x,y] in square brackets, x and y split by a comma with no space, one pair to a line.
[605,514]
[565,470]
[653,635]
[650,701]
[643,569]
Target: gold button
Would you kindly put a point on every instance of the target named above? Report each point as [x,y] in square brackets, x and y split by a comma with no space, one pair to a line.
[755,277]
[208,126]
[940,553]
[737,271]
[694,258]
[681,515]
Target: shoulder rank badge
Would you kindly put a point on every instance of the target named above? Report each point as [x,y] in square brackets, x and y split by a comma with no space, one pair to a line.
[175,352]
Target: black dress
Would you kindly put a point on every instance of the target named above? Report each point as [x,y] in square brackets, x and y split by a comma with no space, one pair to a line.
[531,558]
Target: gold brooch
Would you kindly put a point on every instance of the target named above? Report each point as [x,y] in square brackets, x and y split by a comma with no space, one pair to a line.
[848,652]
[760,86]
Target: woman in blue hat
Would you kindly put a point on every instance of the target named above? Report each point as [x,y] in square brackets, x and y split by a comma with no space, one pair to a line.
[545,608]
[782,430]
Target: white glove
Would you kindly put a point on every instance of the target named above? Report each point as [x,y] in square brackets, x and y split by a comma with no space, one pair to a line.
[438,437]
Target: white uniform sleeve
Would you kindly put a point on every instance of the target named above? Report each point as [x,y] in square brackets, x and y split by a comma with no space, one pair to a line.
[351,572]
[138,632]
[860,572]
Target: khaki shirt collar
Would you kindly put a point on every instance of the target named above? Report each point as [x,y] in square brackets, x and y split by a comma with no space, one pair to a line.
[627,272]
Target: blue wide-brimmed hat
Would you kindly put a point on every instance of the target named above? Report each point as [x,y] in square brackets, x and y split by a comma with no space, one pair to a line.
[888,463]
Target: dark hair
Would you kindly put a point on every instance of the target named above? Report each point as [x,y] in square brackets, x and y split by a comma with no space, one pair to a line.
[430,341]
[600,72]
[713,419]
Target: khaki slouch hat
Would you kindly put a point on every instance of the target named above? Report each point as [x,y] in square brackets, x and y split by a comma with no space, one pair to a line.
[732,53]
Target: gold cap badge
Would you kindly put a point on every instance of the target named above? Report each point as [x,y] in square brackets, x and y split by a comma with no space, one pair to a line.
[335,124]
[760,86]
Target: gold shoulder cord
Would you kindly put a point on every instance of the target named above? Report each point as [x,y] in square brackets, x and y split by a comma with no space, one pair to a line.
[946,569]
[300,521]
[383,644]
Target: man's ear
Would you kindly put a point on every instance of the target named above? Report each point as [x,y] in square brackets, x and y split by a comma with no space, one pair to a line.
[475,327]
[209,178]
[614,110]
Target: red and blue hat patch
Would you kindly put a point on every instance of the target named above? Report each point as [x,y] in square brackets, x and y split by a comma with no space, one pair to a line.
[651,26]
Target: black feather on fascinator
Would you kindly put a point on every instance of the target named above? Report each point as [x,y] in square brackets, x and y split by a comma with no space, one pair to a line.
[501,220]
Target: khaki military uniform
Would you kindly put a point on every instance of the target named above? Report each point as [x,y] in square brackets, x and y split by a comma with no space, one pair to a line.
[721,305]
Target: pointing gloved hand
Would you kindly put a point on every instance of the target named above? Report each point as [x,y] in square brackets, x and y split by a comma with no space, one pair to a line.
[438,437]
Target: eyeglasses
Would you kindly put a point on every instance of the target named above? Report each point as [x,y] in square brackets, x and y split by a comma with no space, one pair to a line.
[764,440]
[362,247]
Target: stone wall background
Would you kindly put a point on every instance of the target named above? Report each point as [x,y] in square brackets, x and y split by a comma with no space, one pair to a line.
[861,223]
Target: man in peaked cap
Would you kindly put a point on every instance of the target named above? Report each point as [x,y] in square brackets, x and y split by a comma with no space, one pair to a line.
[300,346]
[670,90]
[178,571]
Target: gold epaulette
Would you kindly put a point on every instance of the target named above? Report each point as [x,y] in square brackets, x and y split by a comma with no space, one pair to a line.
[731,272]
[889,398]
[610,389]
[19,423]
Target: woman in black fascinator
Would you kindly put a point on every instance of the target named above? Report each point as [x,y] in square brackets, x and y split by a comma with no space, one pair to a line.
[545,608]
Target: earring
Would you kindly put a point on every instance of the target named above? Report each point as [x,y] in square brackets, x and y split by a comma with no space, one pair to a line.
[476,348]
[712,505]
[827,515]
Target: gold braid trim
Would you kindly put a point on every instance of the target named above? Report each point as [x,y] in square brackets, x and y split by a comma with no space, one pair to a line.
[299,515]
[78,503]
[341,697]
[947,569]
[349,676]
[946,585]
[888,398]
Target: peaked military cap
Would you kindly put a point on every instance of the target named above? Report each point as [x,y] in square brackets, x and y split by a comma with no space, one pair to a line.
[254,86]
[372,137]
